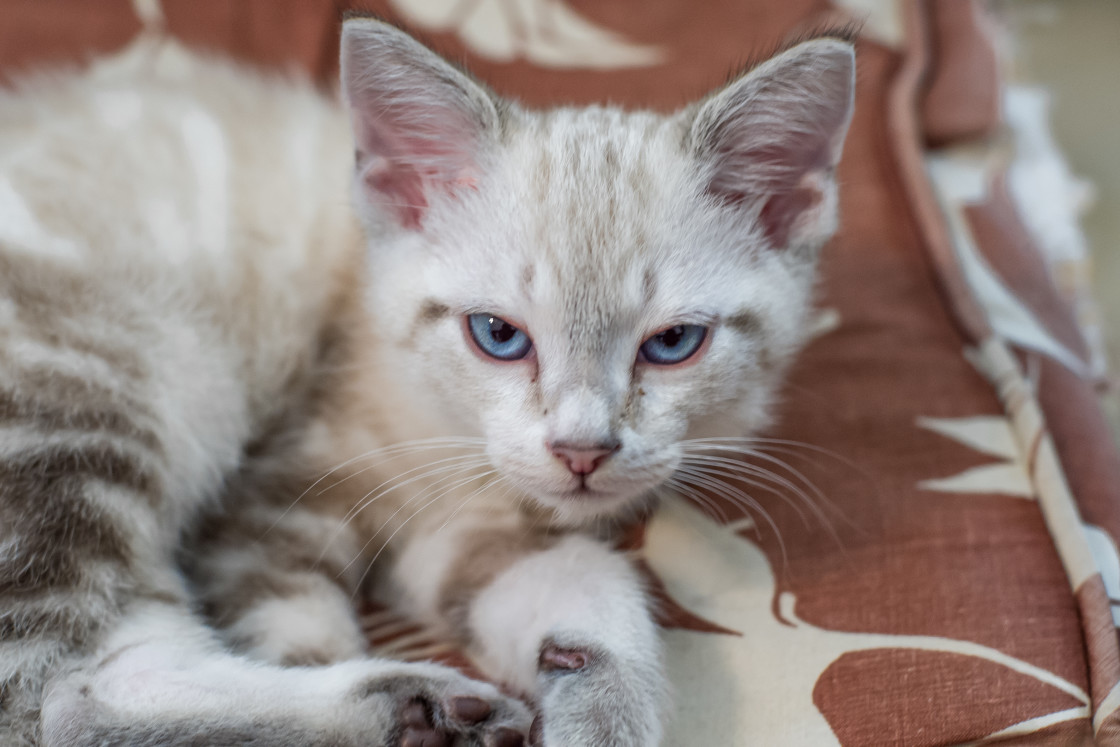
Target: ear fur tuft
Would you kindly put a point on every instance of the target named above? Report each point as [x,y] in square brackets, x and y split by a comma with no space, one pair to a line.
[421,126]
[770,140]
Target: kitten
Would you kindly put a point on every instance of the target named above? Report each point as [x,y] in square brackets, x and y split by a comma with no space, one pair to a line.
[225,395]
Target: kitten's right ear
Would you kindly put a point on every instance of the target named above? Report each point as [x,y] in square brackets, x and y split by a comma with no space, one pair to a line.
[769,142]
[421,127]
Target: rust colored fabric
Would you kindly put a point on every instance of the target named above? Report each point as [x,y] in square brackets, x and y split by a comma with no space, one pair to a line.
[961,101]
[278,33]
[34,32]
[937,562]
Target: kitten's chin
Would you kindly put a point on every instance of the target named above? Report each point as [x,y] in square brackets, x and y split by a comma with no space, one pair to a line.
[586,505]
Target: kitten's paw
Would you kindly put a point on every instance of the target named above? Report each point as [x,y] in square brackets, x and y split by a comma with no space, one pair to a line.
[428,725]
[228,701]
[594,698]
[436,707]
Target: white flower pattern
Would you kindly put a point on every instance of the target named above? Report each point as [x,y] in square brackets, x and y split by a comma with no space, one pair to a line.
[989,434]
[546,33]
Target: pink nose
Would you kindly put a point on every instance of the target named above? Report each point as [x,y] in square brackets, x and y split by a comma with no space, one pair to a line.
[581,459]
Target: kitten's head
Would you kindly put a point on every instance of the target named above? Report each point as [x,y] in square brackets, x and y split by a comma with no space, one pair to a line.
[588,288]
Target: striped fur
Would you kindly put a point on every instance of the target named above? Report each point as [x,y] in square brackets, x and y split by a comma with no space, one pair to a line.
[231,405]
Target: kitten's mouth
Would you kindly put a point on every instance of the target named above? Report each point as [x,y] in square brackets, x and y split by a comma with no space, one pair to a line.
[583,491]
[601,499]
[577,499]
[578,504]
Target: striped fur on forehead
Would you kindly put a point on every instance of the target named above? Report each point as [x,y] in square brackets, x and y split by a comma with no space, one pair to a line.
[594,179]
[597,176]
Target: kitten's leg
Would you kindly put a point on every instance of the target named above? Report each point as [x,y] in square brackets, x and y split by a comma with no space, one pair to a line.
[280,582]
[580,626]
[145,672]
[97,644]
[563,618]
[161,679]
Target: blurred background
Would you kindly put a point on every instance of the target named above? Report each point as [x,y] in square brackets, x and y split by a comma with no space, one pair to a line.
[1072,47]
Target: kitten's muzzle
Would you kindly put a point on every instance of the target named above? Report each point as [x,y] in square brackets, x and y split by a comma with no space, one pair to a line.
[583,459]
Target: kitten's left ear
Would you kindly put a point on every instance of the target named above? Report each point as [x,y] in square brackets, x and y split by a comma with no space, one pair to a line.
[769,142]
[420,126]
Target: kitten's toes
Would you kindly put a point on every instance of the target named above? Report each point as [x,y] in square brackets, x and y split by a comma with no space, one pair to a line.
[423,726]
[592,697]
[457,711]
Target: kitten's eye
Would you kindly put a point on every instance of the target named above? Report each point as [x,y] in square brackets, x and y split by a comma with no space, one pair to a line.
[498,338]
[674,345]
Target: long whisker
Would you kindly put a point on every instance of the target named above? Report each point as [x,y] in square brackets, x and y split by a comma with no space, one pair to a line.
[745,446]
[721,474]
[817,511]
[417,512]
[392,456]
[762,455]
[424,470]
[735,496]
[461,465]
[768,442]
[742,471]
[420,496]
[501,480]
[747,503]
[710,506]
[401,447]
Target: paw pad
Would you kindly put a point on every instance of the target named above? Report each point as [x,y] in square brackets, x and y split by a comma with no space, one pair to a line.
[554,658]
[424,738]
[418,731]
[428,725]
[469,710]
[508,738]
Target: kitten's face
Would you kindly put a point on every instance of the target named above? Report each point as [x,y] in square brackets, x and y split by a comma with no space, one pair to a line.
[587,289]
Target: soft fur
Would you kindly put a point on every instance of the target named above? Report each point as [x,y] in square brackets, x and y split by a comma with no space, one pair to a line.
[230,404]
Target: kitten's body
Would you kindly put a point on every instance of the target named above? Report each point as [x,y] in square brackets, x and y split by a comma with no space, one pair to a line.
[205,363]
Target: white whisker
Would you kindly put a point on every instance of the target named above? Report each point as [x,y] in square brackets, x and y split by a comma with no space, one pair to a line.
[409,452]
[717,511]
[425,470]
[460,465]
[499,481]
[747,446]
[417,512]
[745,502]
[404,446]
[745,473]
[773,443]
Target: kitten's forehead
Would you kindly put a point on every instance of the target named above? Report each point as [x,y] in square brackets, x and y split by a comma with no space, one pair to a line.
[600,178]
[594,174]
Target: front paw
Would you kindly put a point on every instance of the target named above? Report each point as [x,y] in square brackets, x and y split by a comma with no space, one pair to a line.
[595,698]
[440,708]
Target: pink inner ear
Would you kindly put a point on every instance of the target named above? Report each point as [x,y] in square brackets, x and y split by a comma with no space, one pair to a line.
[409,152]
[780,212]
[398,187]
[774,173]
[797,191]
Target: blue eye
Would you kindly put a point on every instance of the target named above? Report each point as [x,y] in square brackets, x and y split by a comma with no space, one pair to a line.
[498,338]
[674,345]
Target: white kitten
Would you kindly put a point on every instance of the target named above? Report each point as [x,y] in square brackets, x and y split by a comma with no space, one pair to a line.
[204,358]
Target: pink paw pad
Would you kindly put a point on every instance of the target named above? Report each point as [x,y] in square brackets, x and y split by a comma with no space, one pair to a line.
[555,658]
